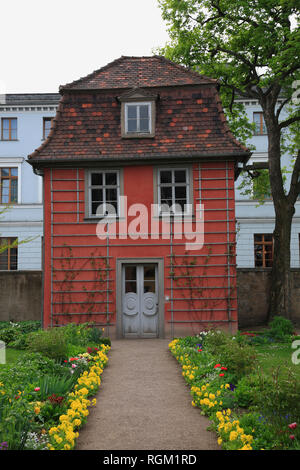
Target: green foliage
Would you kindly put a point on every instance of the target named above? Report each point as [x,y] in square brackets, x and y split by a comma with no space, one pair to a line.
[50,384]
[281,328]
[82,334]
[52,343]
[214,340]
[8,335]
[15,422]
[12,333]
[240,359]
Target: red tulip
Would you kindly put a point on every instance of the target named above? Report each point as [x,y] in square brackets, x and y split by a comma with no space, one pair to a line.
[293,425]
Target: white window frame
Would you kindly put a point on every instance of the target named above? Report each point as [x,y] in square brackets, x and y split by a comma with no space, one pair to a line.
[138,104]
[104,187]
[188,206]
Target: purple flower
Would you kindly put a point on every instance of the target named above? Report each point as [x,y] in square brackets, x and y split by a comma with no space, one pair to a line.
[232,387]
[3,445]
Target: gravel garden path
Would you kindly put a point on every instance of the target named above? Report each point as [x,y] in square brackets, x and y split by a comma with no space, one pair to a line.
[144,404]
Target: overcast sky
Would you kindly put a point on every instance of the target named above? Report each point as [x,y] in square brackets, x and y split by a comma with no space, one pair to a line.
[47,44]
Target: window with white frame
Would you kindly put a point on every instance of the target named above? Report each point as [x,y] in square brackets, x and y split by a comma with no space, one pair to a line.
[174,190]
[138,118]
[103,191]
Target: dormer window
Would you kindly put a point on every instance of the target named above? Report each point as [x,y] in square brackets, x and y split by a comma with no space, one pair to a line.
[137,114]
[138,118]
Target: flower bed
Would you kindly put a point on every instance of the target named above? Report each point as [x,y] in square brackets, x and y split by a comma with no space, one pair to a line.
[46,394]
[62,437]
[221,371]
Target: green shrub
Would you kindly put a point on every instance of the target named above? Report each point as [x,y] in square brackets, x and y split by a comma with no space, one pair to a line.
[51,343]
[239,358]
[280,328]
[250,387]
[105,341]
[10,334]
[214,340]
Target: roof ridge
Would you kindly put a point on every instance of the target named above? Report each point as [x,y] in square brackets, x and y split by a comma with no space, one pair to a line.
[93,74]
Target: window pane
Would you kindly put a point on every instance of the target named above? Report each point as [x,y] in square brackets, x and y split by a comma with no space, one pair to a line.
[97,179]
[97,195]
[14,171]
[5,191]
[111,194]
[144,125]
[144,111]
[165,176]
[4,260]
[5,171]
[130,273]
[5,134]
[130,286]
[132,125]
[5,124]
[149,272]
[14,259]
[149,286]
[14,191]
[13,134]
[13,124]
[180,176]
[166,192]
[132,111]
[95,206]
[111,179]
[268,238]
[180,192]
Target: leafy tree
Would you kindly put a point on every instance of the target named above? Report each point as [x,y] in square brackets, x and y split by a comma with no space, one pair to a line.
[253,49]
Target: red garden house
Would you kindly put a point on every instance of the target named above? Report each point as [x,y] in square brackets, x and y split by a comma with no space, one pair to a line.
[139,215]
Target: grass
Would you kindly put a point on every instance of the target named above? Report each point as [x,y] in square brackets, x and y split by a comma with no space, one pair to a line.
[12,355]
[274,356]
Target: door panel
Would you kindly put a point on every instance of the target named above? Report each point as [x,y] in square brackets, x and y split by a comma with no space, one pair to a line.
[140,300]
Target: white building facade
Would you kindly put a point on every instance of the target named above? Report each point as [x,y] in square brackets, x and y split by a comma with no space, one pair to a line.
[25,121]
[255,223]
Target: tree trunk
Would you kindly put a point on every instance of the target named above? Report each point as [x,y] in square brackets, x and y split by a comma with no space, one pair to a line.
[280,292]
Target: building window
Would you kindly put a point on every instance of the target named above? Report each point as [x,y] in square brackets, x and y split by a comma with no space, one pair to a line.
[263,250]
[260,126]
[103,190]
[138,118]
[8,254]
[9,128]
[47,122]
[174,190]
[8,185]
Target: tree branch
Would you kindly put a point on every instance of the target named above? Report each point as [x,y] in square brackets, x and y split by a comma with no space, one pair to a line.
[295,181]
[288,122]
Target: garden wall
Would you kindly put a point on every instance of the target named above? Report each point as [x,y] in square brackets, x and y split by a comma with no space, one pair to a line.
[253,285]
[21,295]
